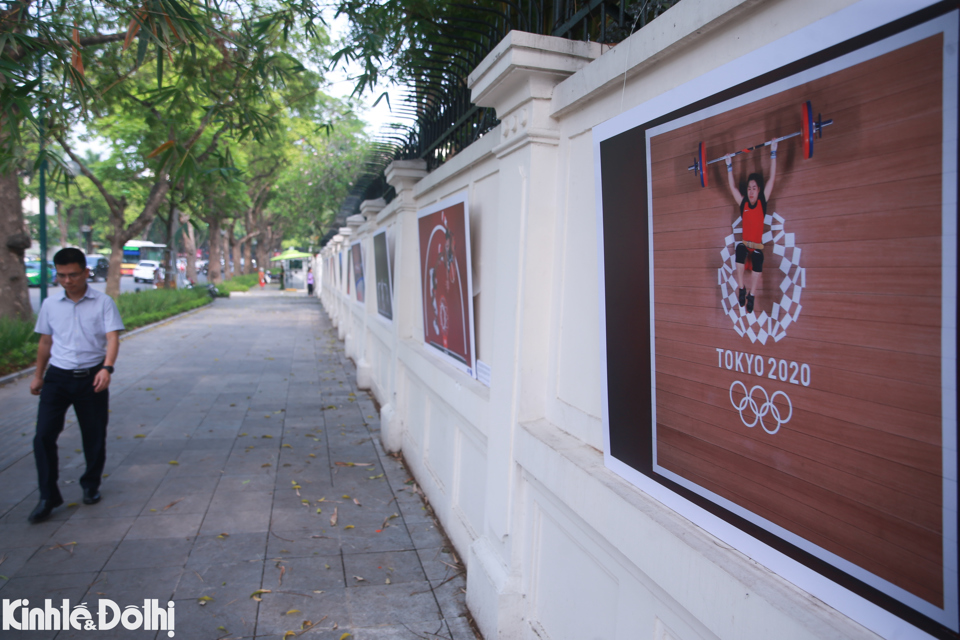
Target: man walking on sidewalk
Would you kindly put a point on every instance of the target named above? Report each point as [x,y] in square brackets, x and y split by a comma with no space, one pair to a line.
[79,339]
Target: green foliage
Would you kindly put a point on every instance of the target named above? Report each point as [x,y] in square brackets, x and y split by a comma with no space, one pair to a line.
[239,283]
[147,304]
[18,342]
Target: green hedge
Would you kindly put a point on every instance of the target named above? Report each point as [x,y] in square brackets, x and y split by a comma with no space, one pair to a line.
[18,342]
[239,283]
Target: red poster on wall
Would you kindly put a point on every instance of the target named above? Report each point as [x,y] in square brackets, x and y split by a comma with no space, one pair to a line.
[446,284]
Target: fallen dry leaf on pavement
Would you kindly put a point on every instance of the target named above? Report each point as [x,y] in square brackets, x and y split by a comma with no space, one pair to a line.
[333,518]
[171,504]
[356,502]
[256,594]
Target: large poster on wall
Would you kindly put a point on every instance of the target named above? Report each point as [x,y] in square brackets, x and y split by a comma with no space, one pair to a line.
[445,279]
[356,259]
[384,273]
[781,288]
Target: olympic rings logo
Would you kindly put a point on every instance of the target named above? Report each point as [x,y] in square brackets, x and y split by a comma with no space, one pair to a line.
[760,410]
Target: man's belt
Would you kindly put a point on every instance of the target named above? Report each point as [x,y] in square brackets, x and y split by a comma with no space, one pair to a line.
[753,245]
[80,373]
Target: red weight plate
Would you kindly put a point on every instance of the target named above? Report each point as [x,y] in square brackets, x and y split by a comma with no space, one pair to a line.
[702,160]
[806,127]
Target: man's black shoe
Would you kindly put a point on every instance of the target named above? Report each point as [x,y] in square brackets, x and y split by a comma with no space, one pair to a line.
[742,296]
[749,304]
[91,496]
[43,509]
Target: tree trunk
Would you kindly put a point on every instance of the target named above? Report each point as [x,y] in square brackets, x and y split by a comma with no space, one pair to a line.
[63,219]
[116,265]
[190,248]
[227,257]
[245,256]
[213,268]
[235,251]
[262,260]
[173,219]
[14,297]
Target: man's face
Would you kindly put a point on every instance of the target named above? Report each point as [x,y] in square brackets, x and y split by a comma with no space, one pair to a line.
[73,278]
[753,191]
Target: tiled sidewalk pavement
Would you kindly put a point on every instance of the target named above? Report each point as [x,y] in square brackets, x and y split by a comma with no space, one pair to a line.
[231,437]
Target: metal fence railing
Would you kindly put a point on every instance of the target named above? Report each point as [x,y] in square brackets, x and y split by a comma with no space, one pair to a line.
[436,117]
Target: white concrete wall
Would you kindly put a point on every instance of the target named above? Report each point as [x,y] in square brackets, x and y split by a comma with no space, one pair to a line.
[556,545]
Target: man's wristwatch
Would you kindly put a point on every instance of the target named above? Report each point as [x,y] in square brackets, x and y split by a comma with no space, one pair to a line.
[108,369]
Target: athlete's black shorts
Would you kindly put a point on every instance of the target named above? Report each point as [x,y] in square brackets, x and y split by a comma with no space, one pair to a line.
[756,257]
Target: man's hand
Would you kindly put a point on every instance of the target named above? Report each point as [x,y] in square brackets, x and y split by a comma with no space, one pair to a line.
[101,381]
[36,385]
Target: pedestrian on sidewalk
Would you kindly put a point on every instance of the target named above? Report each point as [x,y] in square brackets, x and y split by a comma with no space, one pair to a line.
[79,339]
[263,278]
[309,281]
[282,277]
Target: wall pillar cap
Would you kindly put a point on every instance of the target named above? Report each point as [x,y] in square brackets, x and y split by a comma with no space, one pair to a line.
[526,66]
[370,208]
[355,221]
[403,174]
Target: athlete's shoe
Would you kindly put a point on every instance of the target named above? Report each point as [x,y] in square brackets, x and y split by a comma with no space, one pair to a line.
[742,296]
[749,304]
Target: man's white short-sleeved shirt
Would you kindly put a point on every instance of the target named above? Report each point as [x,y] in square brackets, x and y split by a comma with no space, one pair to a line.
[79,329]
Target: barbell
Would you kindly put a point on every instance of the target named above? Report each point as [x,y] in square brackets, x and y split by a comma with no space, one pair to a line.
[809,129]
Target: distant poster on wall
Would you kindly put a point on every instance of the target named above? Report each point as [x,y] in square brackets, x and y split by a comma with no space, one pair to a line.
[445,278]
[384,275]
[783,320]
[356,259]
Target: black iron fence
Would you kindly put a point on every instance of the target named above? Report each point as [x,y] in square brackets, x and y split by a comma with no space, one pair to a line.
[436,118]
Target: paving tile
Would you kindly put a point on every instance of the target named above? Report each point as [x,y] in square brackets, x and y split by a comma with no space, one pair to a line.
[303,542]
[248,482]
[234,619]
[166,503]
[379,567]
[392,604]
[223,582]
[35,589]
[132,586]
[165,526]
[462,629]
[13,558]
[94,529]
[68,558]
[368,539]
[150,553]
[434,630]
[237,547]
[237,521]
[330,607]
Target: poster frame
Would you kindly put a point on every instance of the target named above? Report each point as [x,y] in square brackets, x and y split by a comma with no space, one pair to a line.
[382,233]
[356,249]
[864,23]
[461,197]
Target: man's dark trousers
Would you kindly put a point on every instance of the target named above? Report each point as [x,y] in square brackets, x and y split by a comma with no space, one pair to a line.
[61,388]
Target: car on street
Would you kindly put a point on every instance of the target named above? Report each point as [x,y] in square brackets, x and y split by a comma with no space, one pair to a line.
[144,271]
[98,265]
[33,273]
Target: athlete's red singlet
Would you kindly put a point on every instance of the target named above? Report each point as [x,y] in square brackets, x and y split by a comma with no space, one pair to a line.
[753,220]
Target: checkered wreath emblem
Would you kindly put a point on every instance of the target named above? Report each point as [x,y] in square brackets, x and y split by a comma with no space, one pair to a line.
[786,311]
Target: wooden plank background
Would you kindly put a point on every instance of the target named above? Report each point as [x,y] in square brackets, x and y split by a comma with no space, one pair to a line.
[857,469]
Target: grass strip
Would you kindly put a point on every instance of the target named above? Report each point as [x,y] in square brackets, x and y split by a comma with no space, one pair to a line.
[18,342]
